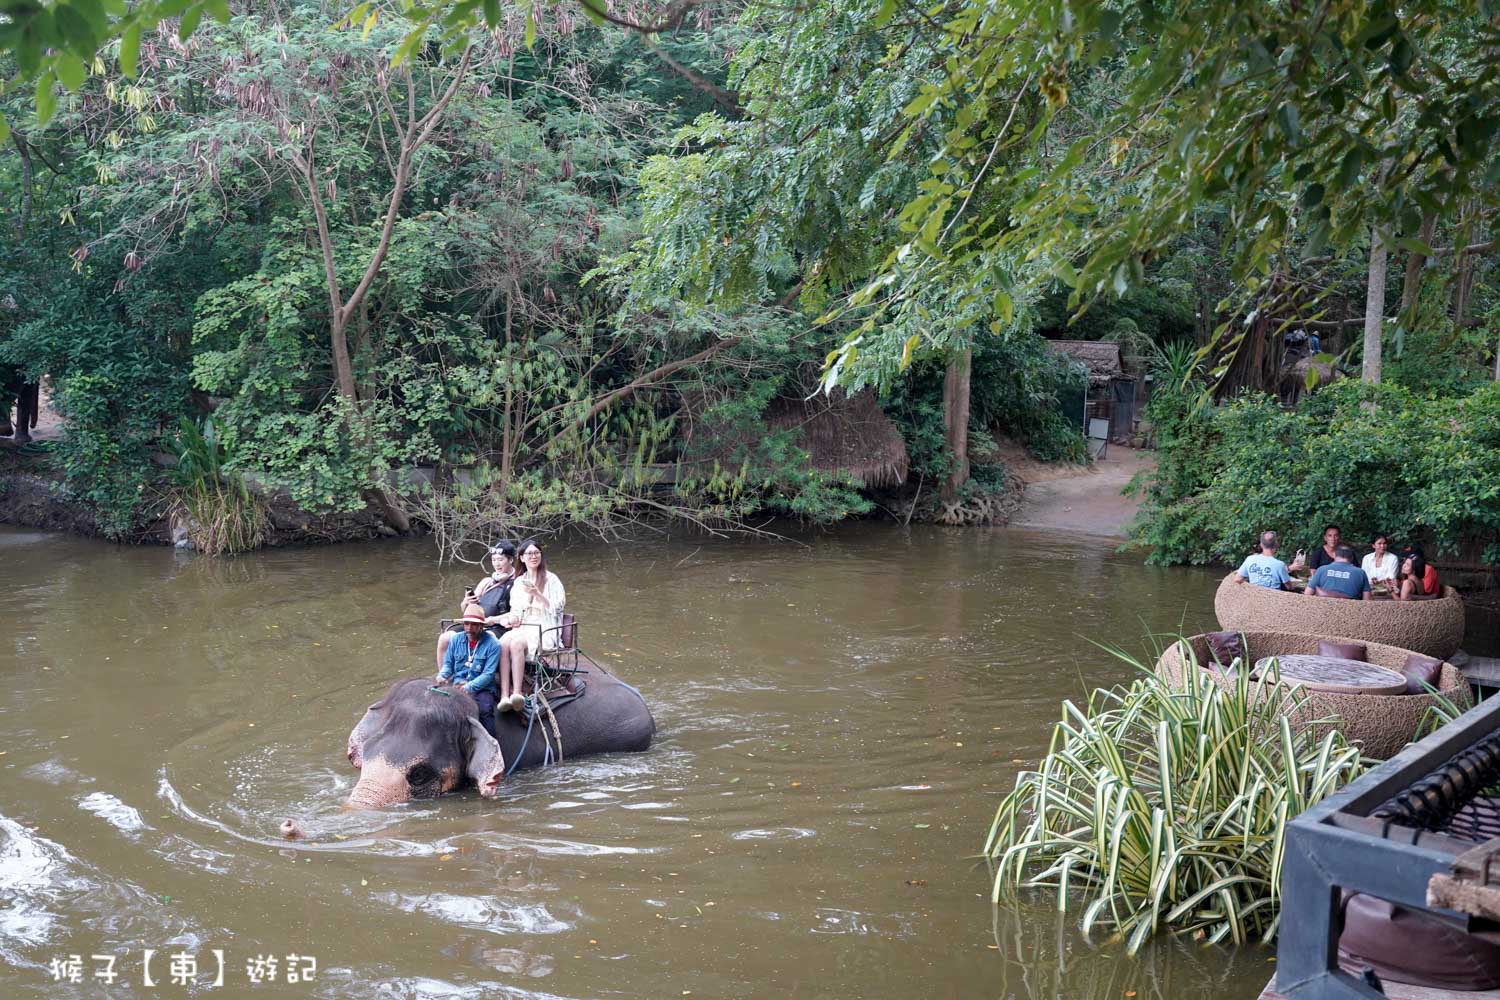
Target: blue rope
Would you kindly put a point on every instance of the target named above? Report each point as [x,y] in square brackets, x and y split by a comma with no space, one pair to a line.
[631,690]
[522,752]
[616,678]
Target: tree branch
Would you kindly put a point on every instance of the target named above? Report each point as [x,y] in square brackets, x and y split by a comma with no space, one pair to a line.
[670,20]
[726,99]
[417,132]
[655,375]
[1471,248]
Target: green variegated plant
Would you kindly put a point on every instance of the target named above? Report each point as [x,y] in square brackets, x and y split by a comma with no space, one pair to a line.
[1166,808]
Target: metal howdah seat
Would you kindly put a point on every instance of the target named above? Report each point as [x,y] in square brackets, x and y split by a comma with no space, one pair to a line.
[553,666]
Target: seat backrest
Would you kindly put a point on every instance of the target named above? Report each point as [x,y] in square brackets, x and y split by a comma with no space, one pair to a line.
[1098,428]
[567,635]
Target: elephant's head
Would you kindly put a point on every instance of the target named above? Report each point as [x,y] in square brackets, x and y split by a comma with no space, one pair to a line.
[419,741]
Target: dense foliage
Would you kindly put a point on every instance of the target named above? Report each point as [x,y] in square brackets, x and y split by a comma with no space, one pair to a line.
[587,251]
[1369,458]
[249,222]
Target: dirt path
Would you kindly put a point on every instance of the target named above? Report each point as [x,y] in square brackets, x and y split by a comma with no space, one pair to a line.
[1081,499]
[48,422]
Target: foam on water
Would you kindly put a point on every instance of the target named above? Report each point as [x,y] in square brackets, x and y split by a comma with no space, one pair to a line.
[427,988]
[488,914]
[777,833]
[114,812]
[34,872]
[52,894]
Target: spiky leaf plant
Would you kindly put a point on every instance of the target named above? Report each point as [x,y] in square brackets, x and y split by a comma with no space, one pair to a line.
[1159,807]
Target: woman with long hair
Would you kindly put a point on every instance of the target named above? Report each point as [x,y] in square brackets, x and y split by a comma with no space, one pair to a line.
[536,606]
[1413,583]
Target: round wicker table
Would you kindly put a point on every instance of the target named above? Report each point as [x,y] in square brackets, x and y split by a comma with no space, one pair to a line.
[1333,673]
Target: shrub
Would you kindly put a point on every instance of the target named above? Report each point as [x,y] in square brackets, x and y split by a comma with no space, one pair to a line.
[221,514]
[1168,807]
[1367,457]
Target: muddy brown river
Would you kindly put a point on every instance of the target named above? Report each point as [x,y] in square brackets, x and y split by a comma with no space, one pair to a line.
[837,722]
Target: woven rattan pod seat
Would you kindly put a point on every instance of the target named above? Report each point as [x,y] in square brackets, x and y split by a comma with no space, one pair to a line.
[1432,627]
[1380,724]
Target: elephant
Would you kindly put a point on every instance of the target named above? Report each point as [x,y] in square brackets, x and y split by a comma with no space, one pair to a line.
[424,739]
[26,397]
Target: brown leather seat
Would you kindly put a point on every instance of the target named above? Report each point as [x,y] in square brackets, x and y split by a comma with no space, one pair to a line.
[1417,948]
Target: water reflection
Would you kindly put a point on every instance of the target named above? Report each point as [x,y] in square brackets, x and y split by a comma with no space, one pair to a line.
[1048,958]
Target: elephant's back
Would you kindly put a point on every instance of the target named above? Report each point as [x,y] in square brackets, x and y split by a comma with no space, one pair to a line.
[610,716]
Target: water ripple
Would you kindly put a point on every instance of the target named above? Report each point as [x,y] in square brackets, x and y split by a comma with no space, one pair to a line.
[490,915]
[776,833]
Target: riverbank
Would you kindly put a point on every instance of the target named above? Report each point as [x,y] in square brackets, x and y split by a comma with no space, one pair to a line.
[30,498]
[1080,499]
[1069,498]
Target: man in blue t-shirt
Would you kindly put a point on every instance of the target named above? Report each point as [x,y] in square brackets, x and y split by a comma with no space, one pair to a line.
[1263,568]
[1340,578]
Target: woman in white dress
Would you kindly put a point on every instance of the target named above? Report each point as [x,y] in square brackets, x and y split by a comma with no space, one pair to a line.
[537,599]
[1381,564]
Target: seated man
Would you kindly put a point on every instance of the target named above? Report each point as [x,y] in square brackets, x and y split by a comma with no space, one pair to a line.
[1340,578]
[1263,568]
[471,662]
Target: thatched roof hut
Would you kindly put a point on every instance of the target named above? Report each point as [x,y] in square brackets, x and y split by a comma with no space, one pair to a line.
[1100,357]
[846,433]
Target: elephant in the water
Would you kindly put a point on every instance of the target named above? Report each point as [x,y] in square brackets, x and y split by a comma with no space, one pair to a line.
[424,739]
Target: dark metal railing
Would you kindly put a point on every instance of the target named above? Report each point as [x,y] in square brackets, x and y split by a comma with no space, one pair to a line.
[1387,835]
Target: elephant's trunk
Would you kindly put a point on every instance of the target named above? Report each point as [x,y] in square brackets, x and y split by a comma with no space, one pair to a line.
[380,785]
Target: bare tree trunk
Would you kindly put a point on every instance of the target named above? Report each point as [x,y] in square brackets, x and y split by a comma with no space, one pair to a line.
[505,442]
[956,422]
[1463,269]
[26,182]
[1375,304]
[361,347]
[1411,287]
[412,135]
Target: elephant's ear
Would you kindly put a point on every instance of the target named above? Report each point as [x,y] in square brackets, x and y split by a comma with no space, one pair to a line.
[486,763]
[361,732]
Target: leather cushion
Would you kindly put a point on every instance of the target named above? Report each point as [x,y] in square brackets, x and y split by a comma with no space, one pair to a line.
[1225,647]
[1343,650]
[1410,946]
[1421,670]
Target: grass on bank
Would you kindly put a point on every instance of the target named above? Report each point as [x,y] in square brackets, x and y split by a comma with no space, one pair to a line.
[1159,807]
[220,513]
